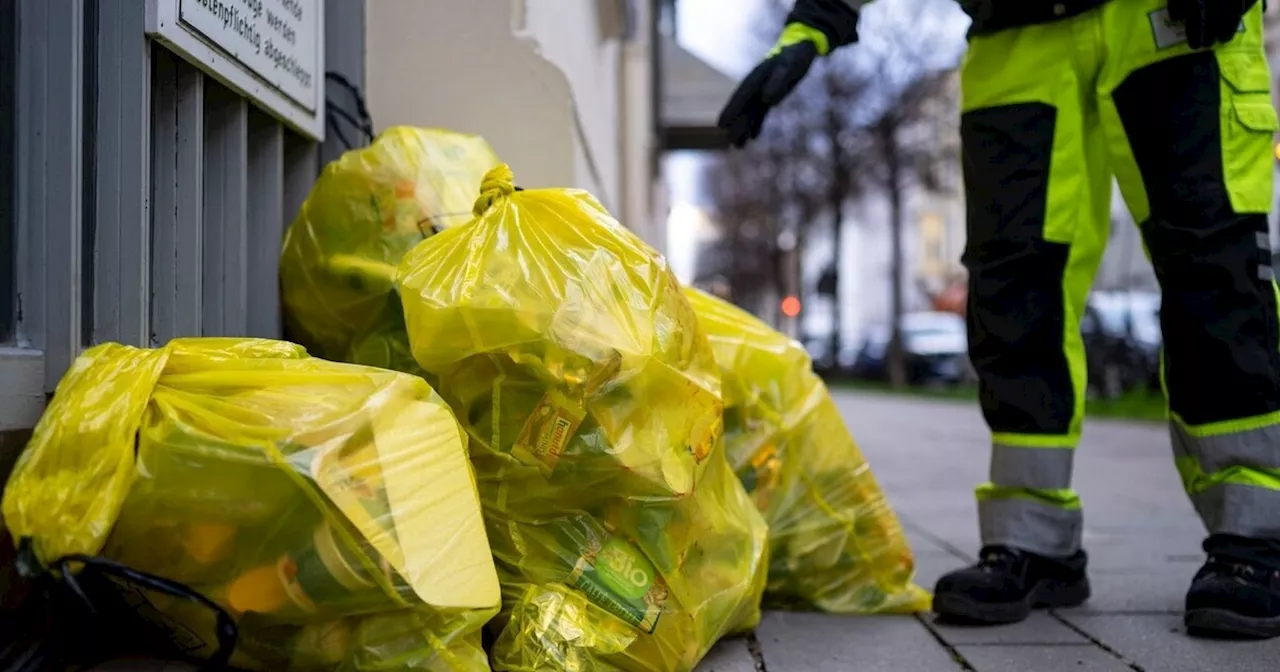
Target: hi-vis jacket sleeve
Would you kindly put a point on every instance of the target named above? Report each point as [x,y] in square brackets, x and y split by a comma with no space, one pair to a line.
[837,19]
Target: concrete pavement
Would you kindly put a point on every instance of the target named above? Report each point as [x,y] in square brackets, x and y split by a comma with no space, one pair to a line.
[1142,535]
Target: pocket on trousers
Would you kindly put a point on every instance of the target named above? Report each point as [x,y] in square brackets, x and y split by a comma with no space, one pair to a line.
[1249,124]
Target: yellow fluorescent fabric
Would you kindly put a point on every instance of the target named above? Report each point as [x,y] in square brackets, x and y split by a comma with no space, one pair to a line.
[835,544]
[592,400]
[795,33]
[330,508]
[367,210]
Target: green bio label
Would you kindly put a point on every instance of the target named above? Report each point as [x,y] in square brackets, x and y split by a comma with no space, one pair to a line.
[618,578]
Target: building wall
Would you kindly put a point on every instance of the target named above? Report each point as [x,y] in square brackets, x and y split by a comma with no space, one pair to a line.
[645,199]
[459,65]
[938,218]
[865,268]
[577,40]
[555,87]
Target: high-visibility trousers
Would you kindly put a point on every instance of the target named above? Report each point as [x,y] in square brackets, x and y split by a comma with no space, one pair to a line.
[1051,112]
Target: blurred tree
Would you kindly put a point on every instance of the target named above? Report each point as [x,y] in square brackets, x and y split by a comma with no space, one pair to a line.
[803,166]
[766,199]
[877,117]
[905,154]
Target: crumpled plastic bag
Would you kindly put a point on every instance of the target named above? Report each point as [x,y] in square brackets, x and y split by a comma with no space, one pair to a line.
[329,509]
[835,543]
[592,400]
[367,209]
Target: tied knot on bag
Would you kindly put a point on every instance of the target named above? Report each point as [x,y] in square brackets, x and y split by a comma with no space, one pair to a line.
[498,183]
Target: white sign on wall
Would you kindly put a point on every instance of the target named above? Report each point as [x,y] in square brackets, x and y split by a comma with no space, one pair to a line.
[272,51]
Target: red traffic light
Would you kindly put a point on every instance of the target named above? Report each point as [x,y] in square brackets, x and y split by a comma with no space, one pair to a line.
[791,306]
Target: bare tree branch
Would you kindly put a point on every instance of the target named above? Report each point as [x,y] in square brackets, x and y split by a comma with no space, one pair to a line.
[877,117]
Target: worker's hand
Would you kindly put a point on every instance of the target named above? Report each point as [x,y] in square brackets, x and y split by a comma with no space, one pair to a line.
[770,82]
[1209,22]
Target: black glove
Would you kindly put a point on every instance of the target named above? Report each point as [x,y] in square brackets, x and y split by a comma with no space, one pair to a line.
[766,86]
[1209,22]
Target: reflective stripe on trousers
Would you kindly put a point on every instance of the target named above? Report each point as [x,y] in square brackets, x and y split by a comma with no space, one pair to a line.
[1029,504]
[1030,523]
[1232,477]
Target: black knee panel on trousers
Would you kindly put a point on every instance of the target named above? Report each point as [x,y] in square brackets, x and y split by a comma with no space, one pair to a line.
[1015,305]
[1222,352]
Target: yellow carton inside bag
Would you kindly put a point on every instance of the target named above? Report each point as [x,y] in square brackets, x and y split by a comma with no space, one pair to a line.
[592,400]
[835,544]
[329,509]
[367,209]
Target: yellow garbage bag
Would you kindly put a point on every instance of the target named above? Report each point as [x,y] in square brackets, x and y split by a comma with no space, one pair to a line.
[622,539]
[367,209]
[835,544]
[329,509]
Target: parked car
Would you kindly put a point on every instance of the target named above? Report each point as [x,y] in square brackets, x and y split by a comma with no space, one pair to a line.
[936,345]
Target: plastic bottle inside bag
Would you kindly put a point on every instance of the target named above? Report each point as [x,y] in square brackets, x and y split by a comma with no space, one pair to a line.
[326,576]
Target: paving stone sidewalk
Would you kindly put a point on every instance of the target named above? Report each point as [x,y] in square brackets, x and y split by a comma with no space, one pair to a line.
[1141,532]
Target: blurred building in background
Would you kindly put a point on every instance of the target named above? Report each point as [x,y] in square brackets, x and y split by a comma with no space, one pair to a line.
[939,215]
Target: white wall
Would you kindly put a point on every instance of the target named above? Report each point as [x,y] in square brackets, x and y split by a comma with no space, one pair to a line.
[567,33]
[457,65]
[609,75]
[550,84]
[645,198]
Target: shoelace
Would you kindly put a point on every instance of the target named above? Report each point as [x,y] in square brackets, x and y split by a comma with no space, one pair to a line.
[1243,570]
[998,560]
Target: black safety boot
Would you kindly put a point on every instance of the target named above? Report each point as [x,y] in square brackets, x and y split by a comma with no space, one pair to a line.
[1237,592]
[1007,584]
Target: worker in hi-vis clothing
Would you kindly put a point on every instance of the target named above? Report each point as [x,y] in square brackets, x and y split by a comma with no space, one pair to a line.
[1173,98]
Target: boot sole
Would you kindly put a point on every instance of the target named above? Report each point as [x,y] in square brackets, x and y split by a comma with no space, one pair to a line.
[1224,624]
[962,609]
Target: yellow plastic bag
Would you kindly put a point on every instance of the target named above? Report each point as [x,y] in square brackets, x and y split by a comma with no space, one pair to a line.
[564,344]
[329,508]
[367,210]
[835,544]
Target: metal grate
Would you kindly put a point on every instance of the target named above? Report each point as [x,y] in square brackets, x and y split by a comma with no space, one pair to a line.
[140,200]
[8,161]
[49,147]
